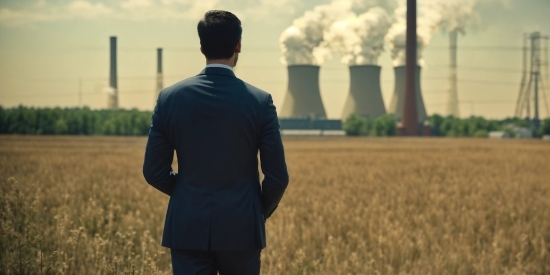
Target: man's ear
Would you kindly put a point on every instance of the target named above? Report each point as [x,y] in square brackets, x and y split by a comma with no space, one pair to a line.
[202,51]
[238,47]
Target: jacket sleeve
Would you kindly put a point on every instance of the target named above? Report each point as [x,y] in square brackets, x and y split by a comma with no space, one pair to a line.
[272,157]
[159,154]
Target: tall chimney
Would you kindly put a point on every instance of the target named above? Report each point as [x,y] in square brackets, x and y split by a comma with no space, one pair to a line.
[303,98]
[410,115]
[112,102]
[452,103]
[365,95]
[396,105]
[160,79]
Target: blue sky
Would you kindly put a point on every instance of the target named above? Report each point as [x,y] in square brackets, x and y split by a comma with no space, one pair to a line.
[47,46]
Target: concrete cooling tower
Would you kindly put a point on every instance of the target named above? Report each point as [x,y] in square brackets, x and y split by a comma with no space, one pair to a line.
[396,105]
[303,97]
[365,95]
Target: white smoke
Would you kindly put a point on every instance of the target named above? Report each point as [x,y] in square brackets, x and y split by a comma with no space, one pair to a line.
[362,6]
[303,42]
[456,13]
[450,14]
[360,38]
[429,19]
[355,28]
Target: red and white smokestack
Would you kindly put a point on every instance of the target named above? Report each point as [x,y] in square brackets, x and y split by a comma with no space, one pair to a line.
[303,97]
[365,95]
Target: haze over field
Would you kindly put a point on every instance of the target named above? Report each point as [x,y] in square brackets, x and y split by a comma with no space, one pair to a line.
[47,45]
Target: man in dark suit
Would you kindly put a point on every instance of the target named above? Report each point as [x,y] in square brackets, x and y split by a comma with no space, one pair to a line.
[216,123]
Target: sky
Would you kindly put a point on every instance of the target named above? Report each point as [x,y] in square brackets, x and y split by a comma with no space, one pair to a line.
[52,50]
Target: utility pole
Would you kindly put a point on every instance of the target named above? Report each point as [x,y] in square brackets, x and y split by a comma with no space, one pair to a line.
[535,70]
[531,89]
[521,96]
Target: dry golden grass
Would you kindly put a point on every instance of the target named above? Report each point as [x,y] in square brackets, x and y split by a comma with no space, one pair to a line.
[79,205]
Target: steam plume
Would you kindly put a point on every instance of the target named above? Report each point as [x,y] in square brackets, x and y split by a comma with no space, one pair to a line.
[360,38]
[450,14]
[429,19]
[456,13]
[303,42]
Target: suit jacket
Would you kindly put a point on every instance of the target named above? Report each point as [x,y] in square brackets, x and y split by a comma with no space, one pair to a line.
[216,123]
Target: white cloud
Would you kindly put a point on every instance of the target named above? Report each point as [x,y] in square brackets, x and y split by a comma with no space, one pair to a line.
[85,9]
[43,12]
[136,4]
[142,10]
[198,8]
[271,9]
[40,3]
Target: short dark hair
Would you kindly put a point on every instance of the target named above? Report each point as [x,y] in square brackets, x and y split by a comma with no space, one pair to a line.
[219,32]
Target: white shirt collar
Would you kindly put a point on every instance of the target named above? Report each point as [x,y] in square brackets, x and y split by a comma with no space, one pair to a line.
[219,66]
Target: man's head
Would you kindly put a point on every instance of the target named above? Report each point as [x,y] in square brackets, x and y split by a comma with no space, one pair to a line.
[220,35]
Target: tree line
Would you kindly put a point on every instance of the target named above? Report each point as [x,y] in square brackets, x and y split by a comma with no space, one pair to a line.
[385,125]
[73,121]
[84,121]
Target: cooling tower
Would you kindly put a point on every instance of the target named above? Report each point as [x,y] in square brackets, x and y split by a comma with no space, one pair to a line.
[365,96]
[303,97]
[112,97]
[396,105]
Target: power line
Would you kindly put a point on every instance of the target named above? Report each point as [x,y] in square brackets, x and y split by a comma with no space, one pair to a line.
[477,48]
[277,49]
[173,49]
[475,102]
[481,69]
[130,92]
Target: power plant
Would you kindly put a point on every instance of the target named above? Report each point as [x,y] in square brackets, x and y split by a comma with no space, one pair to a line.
[112,94]
[365,95]
[303,97]
[396,105]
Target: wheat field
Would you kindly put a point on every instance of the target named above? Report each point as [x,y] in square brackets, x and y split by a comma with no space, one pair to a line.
[79,205]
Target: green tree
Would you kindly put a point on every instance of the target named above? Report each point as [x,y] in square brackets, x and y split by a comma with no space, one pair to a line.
[481,133]
[356,125]
[3,121]
[61,127]
[383,126]
[545,127]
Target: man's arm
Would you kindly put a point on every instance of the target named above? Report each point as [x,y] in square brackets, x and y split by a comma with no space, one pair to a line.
[272,157]
[159,154]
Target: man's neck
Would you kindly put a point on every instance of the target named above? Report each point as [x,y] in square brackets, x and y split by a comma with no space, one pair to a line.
[228,62]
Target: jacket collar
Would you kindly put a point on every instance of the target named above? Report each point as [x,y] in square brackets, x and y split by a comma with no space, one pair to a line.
[217,71]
